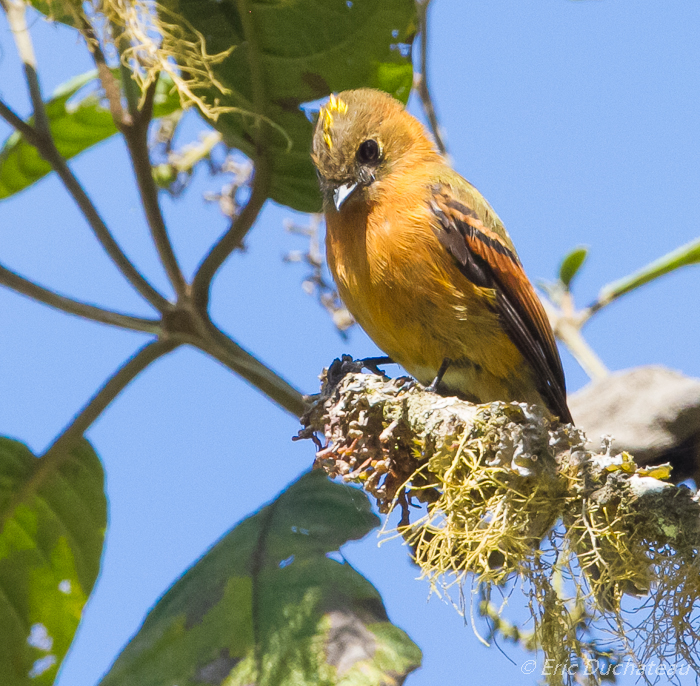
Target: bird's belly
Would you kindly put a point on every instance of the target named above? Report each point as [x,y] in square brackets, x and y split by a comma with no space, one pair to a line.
[419,327]
[409,296]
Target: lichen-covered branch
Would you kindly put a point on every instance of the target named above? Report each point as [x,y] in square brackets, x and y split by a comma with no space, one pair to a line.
[508,496]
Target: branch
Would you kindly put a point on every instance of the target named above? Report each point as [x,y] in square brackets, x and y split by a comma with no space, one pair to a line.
[98,403]
[99,228]
[261,183]
[512,499]
[201,284]
[566,324]
[687,254]
[222,348]
[130,88]
[19,124]
[422,78]
[41,138]
[97,314]
[133,125]
[59,451]
[16,17]
[136,136]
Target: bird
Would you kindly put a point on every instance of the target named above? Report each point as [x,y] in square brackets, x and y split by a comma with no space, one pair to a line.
[424,264]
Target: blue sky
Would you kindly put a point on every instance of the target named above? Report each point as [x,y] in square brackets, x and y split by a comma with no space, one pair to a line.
[577,120]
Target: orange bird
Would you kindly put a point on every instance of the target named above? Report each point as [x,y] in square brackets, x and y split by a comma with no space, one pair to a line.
[423,262]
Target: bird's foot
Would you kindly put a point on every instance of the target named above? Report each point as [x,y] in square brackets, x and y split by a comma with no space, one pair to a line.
[433,388]
[372,363]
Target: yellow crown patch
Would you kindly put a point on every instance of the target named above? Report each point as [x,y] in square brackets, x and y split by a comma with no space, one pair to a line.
[334,106]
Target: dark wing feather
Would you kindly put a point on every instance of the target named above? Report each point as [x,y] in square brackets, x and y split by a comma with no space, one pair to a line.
[489,262]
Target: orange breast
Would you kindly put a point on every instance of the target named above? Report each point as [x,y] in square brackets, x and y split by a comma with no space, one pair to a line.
[407,293]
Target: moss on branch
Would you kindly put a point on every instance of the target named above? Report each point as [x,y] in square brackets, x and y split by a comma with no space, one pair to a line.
[508,496]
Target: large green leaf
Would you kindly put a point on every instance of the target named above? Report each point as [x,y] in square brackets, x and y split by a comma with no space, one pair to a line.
[303,50]
[51,534]
[267,606]
[76,126]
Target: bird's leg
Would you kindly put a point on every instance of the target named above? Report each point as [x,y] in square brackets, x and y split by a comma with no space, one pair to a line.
[372,362]
[441,372]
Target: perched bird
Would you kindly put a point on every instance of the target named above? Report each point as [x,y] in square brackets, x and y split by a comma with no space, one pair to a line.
[423,262]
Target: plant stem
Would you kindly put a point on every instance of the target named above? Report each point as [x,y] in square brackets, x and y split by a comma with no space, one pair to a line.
[40,137]
[136,137]
[206,271]
[566,324]
[59,451]
[422,81]
[110,390]
[16,17]
[11,117]
[261,182]
[229,353]
[97,314]
[684,256]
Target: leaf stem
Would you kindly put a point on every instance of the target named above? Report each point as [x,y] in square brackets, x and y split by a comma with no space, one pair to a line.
[687,254]
[240,226]
[98,403]
[48,297]
[59,451]
[222,348]
[136,136]
[233,238]
[41,138]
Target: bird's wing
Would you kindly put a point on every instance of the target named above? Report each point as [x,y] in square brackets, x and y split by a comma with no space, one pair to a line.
[488,260]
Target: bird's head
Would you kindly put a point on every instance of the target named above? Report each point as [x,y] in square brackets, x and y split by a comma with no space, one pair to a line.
[360,137]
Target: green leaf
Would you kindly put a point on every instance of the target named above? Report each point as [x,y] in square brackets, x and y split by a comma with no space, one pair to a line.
[571,264]
[76,126]
[51,536]
[684,256]
[266,605]
[63,11]
[304,50]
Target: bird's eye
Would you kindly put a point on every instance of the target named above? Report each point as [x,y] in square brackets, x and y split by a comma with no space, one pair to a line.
[368,152]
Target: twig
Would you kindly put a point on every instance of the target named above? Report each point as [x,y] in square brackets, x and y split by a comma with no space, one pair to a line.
[234,236]
[59,451]
[98,403]
[43,141]
[48,297]
[136,137]
[131,90]
[261,182]
[134,127]
[687,254]
[229,353]
[422,78]
[567,328]
[572,338]
[11,117]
